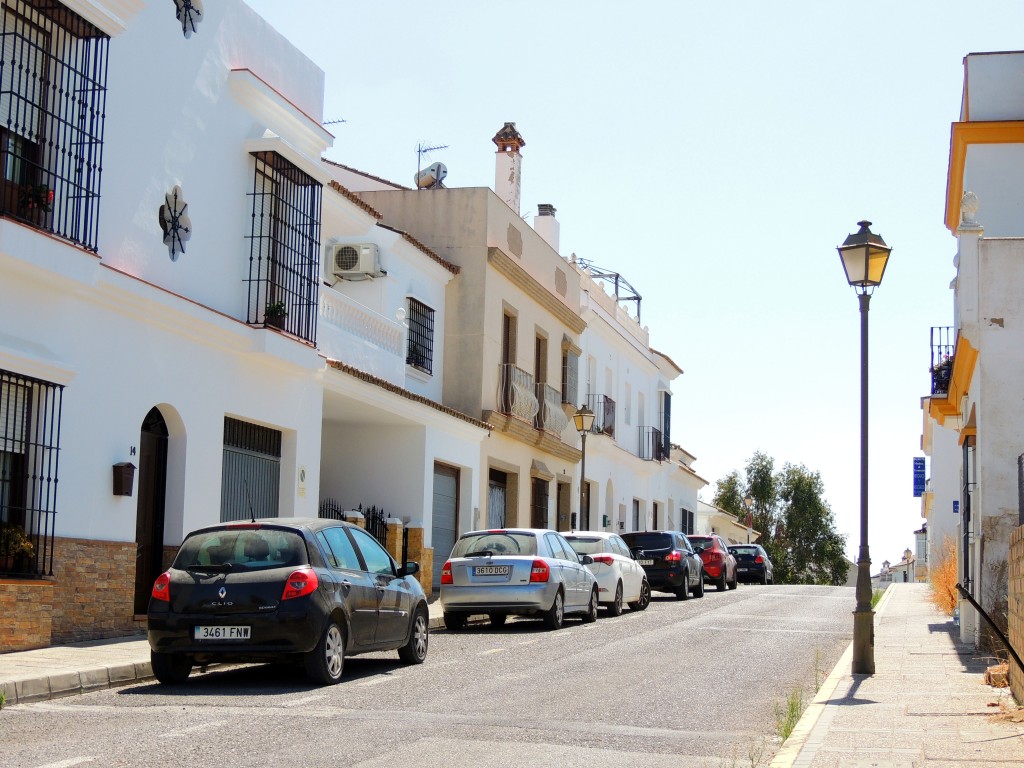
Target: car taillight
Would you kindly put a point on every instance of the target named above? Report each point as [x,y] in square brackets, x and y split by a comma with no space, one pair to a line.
[604,559]
[300,582]
[446,573]
[714,557]
[758,559]
[540,571]
[162,587]
[674,556]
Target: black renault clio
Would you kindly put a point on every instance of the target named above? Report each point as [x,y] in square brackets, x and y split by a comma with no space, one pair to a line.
[283,588]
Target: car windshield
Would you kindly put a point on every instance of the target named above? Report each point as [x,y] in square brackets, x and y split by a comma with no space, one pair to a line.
[241,549]
[744,550]
[586,546]
[491,543]
[649,541]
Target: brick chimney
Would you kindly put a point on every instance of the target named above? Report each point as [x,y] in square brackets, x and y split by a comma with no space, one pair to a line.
[546,225]
[508,165]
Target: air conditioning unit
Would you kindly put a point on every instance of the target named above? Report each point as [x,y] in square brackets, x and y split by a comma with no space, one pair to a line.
[355,262]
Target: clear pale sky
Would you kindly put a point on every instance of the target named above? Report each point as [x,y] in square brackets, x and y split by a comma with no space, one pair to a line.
[715,154]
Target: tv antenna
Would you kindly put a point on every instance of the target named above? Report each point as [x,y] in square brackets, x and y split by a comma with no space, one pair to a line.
[421,151]
[335,122]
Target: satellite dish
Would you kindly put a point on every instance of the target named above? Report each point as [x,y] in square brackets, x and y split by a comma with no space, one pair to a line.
[431,176]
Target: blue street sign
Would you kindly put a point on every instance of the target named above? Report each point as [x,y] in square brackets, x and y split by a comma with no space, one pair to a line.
[918,476]
[956,506]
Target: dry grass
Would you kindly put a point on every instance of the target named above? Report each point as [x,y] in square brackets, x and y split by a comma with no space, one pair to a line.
[942,575]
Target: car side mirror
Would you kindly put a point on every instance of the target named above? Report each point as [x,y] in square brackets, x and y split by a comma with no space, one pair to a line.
[586,560]
[410,569]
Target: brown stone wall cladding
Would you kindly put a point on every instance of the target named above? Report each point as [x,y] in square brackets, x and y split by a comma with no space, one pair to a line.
[94,590]
[1015,589]
[26,607]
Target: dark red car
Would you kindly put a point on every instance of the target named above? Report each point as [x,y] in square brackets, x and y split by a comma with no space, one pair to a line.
[719,562]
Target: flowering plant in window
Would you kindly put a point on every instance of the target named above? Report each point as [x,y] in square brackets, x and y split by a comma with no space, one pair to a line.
[14,542]
[37,197]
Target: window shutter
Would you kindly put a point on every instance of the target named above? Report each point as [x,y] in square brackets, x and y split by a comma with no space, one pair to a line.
[13,405]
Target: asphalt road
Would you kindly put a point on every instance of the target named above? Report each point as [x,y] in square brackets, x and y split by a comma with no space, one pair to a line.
[692,683]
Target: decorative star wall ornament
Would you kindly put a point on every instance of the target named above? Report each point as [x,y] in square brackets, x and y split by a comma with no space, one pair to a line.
[175,222]
[189,13]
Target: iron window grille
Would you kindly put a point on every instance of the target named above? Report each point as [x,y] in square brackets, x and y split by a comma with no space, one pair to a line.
[420,351]
[53,90]
[284,264]
[943,345]
[30,417]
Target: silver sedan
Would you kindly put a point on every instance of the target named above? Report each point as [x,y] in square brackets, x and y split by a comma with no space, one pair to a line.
[518,571]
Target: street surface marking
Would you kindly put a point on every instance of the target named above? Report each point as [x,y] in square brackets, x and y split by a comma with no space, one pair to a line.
[193,729]
[375,681]
[492,650]
[69,762]
[300,702]
[777,631]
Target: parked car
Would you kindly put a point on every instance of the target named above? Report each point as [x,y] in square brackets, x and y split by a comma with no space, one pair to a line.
[669,560]
[516,571]
[753,563]
[284,588]
[620,578]
[719,562]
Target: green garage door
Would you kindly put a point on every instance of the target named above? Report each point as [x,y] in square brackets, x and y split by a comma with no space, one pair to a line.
[445,517]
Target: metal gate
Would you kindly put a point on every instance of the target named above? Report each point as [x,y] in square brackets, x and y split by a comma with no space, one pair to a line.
[251,471]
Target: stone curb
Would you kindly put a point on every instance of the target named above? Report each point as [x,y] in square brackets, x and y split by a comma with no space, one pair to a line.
[793,746]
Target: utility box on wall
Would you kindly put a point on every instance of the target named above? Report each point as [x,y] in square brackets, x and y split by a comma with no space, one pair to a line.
[124,478]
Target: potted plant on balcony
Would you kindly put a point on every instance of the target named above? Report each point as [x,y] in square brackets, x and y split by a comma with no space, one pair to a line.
[14,546]
[941,372]
[36,197]
[275,313]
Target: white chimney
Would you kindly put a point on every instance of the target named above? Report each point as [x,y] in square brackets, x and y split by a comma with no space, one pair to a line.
[546,225]
[508,166]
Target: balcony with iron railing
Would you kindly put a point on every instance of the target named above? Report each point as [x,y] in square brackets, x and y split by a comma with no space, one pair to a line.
[943,344]
[604,414]
[652,444]
[550,416]
[517,393]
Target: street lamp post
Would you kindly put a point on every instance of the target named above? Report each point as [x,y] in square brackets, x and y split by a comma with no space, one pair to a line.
[748,502]
[864,255]
[584,420]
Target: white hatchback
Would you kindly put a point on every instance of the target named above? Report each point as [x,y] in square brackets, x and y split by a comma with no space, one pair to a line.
[620,578]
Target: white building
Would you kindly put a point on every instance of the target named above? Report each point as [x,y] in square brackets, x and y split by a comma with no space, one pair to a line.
[192,328]
[982,402]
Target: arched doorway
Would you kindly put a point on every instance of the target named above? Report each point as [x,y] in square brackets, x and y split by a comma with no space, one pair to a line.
[149,520]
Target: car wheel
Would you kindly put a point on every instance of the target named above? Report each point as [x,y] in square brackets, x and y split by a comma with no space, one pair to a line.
[170,668]
[722,584]
[591,615]
[645,597]
[415,651]
[735,580]
[555,615]
[683,593]
[698,590]
[764,577]
[497,619]
[325,663]
[615,609]
[454,621]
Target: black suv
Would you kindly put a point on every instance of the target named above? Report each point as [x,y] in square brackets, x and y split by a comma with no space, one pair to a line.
[670,562]
[753,564]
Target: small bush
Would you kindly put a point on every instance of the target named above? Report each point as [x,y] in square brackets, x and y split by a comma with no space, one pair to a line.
[942,575]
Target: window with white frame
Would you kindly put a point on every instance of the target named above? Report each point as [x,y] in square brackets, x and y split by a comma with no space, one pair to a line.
[420,350]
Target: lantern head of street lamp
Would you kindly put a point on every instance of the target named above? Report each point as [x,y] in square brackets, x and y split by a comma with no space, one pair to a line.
[748,502]
[583,419]
[864,256]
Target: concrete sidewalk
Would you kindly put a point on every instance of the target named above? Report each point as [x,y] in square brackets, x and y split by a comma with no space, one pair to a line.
[65,670]
[927,704]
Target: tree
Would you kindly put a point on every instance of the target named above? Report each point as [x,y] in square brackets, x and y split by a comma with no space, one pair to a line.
[796,524]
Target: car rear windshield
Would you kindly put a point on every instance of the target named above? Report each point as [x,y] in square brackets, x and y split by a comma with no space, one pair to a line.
[586,546]
[495,543]
[648,540]
[701,541]
[249,549]
[744,550]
